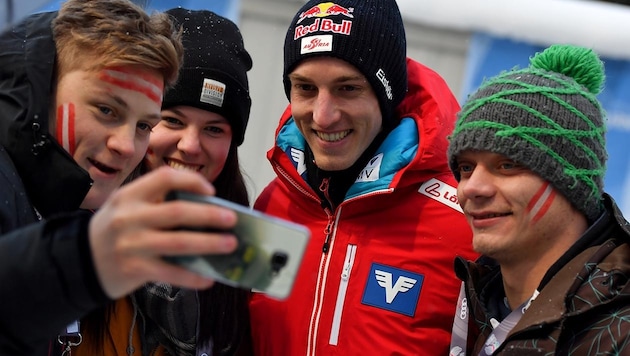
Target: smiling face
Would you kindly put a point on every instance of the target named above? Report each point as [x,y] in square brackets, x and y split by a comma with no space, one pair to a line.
[103,119]
[514,214]
[190,138]
[336,110]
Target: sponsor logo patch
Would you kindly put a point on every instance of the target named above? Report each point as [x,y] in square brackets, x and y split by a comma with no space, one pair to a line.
[372,170]
[212,92]
[383,78]
[393,289]
[441,192]
[314,44]
[298,160]
[321,23]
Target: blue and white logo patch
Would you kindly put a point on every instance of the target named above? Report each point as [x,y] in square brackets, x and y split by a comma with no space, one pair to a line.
[299,160]
[393,289]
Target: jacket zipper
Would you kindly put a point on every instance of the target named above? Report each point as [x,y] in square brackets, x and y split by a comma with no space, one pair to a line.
[351,252]
[324,189]
[322,276]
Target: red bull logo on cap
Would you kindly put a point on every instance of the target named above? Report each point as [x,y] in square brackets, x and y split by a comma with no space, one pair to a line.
[324,25]
[326,9]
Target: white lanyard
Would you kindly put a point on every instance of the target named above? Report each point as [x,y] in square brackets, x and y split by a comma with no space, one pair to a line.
[497,336]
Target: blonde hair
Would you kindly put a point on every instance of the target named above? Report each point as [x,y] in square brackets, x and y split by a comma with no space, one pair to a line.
[94,34]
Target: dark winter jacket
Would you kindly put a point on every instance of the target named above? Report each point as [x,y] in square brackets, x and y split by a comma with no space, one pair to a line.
[584,303]
[47,278]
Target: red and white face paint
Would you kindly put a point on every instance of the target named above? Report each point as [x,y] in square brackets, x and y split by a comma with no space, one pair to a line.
[132,80]
[541,201]
[514,214]
[103,120]
[65,127]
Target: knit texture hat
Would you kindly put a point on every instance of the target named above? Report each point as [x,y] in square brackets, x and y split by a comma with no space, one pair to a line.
[214,73]
[546,117]
[368,34]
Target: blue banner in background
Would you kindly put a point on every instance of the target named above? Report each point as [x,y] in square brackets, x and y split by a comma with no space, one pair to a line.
[489,55]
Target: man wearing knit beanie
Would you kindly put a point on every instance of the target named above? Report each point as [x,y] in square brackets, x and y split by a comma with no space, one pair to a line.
[529,152]
[360,157]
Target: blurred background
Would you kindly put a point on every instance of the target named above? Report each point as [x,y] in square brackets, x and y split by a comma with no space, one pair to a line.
[464,41]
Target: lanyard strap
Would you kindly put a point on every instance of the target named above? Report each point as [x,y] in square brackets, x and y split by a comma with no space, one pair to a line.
[498,334]
[459,333]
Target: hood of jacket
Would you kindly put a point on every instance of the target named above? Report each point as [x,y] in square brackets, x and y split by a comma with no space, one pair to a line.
[54,182]
[415,150]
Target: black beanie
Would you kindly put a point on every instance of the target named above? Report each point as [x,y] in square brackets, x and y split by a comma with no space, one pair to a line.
[214,73]
[369,34]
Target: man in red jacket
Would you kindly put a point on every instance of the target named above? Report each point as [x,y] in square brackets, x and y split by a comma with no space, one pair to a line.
[360,157]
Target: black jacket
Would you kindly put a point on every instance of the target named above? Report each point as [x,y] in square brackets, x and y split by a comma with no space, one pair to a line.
[47,278]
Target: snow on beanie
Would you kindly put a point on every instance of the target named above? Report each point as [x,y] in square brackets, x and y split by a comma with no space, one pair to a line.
[214,73]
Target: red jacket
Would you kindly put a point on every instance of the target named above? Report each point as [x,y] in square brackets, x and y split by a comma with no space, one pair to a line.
[386,286]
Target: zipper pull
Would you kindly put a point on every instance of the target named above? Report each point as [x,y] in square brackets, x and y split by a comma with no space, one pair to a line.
[326,246]
[323,187]
[345,274]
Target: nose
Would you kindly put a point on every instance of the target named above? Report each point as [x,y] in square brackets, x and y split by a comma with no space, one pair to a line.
[479,184]
[189,141]
[123,141]
[325,109]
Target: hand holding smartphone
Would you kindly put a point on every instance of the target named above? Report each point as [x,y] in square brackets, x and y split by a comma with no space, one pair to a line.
[268,255]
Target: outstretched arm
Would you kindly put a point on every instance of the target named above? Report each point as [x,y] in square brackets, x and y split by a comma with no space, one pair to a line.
[56,271]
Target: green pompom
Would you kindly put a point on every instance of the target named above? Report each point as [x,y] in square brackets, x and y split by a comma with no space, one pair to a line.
[579,63]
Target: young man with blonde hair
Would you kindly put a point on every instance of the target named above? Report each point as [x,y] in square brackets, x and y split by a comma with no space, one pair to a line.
[80,91]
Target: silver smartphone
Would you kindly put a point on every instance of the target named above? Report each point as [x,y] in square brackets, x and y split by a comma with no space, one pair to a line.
[268,255]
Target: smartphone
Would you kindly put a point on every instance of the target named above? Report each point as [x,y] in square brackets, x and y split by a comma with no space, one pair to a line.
[268,255]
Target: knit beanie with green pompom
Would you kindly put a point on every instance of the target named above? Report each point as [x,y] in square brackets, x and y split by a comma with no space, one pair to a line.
[546,117]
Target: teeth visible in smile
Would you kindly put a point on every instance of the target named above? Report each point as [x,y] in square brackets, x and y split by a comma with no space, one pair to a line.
[182,167]
[332,137]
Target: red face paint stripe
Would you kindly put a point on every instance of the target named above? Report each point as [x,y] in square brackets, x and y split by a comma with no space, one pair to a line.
[71,119]
[146,77]
[536,197]
[143,87]
[60,113]
[545,206]
[65,127]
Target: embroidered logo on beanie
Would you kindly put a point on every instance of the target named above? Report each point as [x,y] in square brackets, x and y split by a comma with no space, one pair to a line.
[369,34]
[213,76]
[546,117]
[212,92]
